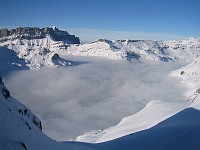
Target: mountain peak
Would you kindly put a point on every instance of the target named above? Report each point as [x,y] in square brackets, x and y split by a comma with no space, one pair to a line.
[40,33]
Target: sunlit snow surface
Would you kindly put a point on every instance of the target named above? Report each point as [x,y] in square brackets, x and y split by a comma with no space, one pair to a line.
[94,93]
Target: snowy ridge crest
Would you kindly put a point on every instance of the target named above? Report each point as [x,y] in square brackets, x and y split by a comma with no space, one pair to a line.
[183,50]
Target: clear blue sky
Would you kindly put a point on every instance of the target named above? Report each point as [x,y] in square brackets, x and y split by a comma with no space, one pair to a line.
[96,18]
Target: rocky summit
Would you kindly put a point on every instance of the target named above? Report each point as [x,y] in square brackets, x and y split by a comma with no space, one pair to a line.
[40,33]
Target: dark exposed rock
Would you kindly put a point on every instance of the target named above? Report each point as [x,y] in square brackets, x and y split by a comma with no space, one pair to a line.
[1,82]
[39,33]
[182,73]
[39,124]
[6,93]
[23,145]
[4,90]
[55,57]
[4,32]
[29,127]
[198,91]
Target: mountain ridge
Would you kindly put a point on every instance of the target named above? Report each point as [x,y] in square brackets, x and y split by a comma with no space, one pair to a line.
[40,33]
[39,47]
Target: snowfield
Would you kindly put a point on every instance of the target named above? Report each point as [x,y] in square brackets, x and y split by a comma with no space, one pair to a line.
[149,102]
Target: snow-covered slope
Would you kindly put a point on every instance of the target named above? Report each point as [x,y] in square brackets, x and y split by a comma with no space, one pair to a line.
[152,114]
[15,118]
[186,50]
[37,47]
[35,52]
[190,75]
[10,61]
[180,131]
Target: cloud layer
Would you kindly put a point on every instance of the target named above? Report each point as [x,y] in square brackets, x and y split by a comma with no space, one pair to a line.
[95,95]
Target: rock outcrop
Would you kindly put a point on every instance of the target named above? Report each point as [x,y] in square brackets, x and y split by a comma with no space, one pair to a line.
[40,33]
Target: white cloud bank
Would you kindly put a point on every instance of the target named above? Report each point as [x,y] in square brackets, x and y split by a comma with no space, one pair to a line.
[94,95]
[94,34]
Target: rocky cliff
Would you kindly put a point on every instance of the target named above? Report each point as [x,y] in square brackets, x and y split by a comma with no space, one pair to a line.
[40,33]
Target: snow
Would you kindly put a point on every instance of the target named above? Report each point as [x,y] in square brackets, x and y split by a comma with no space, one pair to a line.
[190,75]
[36,52]
[154,113]
[180,131]
[10,61]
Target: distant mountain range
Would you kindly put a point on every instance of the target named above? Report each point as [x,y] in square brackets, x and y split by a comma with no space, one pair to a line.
[37,47]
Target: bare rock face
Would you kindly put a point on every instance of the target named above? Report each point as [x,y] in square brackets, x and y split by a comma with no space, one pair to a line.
[4,32]
[39,33]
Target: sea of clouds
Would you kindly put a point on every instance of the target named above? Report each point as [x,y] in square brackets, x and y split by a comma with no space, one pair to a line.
[93,94]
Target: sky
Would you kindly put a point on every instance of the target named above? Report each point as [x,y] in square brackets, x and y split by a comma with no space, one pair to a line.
[92,19]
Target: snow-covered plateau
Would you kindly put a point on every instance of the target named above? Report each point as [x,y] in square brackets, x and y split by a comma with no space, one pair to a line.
[120,94]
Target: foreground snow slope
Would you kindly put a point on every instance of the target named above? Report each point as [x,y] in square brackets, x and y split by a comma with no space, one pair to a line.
[152,114]
[181,131]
